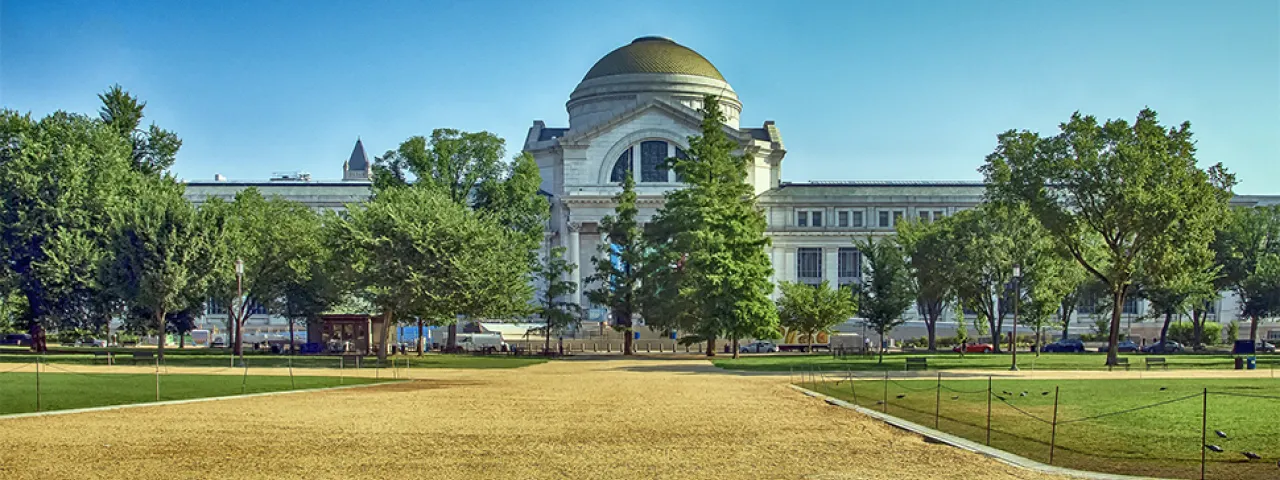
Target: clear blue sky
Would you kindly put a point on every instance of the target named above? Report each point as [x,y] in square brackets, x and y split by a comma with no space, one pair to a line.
[911,90]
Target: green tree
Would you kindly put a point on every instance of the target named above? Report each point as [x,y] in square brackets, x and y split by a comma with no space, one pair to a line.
[932,263]
[1049,277]
[413,251]
[1134,190]
[888,289]
[620,263]
[718,232]
[1248,249]
[516,202]
[60,177]
[312,290]
[275,239]
[153,150]
[157,255]
[986,243]
[814,309]
[556,312]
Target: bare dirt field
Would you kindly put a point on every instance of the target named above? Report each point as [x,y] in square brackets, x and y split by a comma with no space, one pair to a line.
[605,419]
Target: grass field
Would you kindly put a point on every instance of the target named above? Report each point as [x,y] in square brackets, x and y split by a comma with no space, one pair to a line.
[948,361]
[61,391]
[1161,440]
[207,358]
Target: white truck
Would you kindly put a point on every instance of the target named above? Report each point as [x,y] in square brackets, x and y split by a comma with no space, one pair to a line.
[481,342]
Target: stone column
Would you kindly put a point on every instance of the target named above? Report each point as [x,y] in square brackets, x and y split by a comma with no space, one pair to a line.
[574,254]
[831,265]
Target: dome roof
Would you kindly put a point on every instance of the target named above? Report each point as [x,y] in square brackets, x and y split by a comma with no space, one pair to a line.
[653,55]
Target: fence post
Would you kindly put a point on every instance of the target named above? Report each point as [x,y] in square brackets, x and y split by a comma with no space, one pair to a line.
[245,379]
[988,410]
[853,390]
[340,370]
[157,378]
[885,408]
[1053,436]
[937,402]
[291,384]
[1204,430]
[37,384]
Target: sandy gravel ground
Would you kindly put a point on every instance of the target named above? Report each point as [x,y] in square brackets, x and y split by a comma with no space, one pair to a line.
[611,419]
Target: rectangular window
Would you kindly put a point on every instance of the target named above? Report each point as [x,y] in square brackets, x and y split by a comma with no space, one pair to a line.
[652,156]
[802,218]
[1130,306]
[809,265]
[897,216]
[938,214]
[856,219]
[884,220]
[1087,306]
[842,218]
[1273,335]
[850,265]
[924,216]
[816,216]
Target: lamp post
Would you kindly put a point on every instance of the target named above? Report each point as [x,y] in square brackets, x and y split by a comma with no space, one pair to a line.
[1013,339]
[239,302]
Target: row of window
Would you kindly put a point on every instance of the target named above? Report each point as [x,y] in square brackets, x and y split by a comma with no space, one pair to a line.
[653,154]
[855,218]
[214,307]
[809,265]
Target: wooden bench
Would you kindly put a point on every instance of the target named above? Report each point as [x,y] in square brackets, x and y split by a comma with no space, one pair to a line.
[919,363]
[1157,361]
[108,356]
[150,356]
[1120,362]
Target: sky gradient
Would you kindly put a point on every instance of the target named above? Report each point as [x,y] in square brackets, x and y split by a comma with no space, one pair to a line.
[911,90]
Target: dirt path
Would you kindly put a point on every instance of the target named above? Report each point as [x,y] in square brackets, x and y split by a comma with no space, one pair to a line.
[610,419]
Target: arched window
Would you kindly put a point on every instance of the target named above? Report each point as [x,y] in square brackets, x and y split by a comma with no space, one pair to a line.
[653,155]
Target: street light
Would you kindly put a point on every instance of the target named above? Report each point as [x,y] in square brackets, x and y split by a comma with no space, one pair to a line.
[1017,296]
[239,300]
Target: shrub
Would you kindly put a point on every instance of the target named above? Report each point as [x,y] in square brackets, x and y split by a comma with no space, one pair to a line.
[1184,333]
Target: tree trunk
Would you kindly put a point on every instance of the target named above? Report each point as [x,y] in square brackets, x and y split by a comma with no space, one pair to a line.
[385,335]
[547,349]
[931,324]
[182,341]
[1066,325]
[627,343]
[881,348]
[1253,330]
[453,337]
[995,332]
[1197,328]
[711,347]
[1164,331]
[422,342]
[1117,296]
[735,346]
[291,339]
[160,337]
[239,347]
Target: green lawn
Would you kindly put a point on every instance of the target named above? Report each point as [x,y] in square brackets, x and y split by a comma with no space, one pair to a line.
[946,361]
[1162,441]
[207,358]
[61,391]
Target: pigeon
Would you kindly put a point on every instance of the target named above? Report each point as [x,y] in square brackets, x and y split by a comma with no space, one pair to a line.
[1006,392]
[1215,448]
[1221,434]
[901,395]
[1023,394]
[878,402]
[1251,455]
[957,397]
[1163,388]
[1044,393]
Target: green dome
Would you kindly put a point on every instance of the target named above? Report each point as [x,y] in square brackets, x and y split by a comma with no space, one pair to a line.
[653,55]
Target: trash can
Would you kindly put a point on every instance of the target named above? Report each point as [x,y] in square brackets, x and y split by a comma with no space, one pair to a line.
[1239,363]
[1251,362]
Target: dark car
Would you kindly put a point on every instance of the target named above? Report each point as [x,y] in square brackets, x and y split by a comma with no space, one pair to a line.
[16,339]
[1264,347]
[1066,345]
[1123,346]
[1163,347]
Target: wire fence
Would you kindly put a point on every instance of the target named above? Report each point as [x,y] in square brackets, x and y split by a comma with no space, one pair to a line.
[1177,428]
[39,385]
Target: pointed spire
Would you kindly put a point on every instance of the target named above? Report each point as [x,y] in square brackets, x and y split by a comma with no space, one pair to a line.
[358,161]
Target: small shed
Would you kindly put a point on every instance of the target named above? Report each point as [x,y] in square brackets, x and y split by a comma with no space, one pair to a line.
[347,333]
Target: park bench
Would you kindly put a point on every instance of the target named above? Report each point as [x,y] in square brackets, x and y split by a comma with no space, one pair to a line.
[105,356]
[917,363]
[1157,361]
[352,360]
[149,356]
[1120,362]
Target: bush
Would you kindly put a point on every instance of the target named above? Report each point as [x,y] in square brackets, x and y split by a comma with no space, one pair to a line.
[1184,333]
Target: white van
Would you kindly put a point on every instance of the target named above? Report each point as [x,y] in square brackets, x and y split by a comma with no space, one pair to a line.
[481,342]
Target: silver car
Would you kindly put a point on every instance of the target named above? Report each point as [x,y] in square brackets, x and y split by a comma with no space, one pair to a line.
[759,347]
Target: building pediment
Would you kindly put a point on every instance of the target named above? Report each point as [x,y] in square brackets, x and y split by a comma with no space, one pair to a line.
[680,113]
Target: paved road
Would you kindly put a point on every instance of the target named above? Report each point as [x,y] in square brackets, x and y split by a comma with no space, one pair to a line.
[606,419]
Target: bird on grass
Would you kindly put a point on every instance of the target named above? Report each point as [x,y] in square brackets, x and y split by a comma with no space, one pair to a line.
[1044,393]
[957,397]
[1251,455]
[1163,388]
[1215,448]
[902,395]
[1006,392]
[1220,433]
[1023,394]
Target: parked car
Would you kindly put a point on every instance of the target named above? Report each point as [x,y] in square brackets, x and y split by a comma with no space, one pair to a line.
[975,348]
[759,347]
[1124,346]
[91,342]
[1066,345]
[1264,347]
[20,339]
[1163,347]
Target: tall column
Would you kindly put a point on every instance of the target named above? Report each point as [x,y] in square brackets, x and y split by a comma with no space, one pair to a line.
[831,265]
[573,251]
